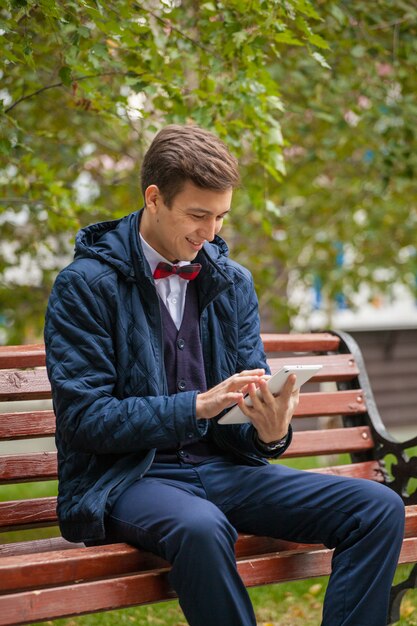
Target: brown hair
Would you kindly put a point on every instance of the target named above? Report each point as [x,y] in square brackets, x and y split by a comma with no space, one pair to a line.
[181,153]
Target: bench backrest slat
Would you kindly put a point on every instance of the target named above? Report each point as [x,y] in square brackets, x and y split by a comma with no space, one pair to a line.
[336,367]
[43,465]
[18,514]
[28,467]
[27,425]
[31,384]
[22,356]
[290,342]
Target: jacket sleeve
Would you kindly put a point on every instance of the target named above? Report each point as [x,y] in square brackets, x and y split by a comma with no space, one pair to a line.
[81,366]
[251,355]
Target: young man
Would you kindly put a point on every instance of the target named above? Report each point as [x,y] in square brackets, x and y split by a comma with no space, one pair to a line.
[151,333]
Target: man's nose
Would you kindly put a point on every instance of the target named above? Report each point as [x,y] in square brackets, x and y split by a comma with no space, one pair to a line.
[208,230]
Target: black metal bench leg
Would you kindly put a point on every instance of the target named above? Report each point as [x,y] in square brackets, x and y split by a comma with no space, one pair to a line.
[397,594]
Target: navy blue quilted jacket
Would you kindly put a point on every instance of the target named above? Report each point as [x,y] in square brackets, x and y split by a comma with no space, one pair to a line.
[104,349]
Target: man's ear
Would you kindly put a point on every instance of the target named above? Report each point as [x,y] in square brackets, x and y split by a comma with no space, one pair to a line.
[152,198]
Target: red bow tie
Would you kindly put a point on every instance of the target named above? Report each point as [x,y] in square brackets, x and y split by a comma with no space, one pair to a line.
[188,272]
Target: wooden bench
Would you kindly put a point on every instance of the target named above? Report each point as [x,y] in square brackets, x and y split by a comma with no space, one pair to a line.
[48,578]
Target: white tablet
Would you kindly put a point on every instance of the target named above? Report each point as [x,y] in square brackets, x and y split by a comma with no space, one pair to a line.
[275,384]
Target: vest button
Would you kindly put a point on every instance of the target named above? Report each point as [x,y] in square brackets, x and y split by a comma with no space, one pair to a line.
[181,385]
[181,344]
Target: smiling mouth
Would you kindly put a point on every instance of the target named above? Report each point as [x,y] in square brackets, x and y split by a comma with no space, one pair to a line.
[195,243]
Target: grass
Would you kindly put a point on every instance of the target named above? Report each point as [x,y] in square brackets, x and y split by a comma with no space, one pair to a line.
[287,604]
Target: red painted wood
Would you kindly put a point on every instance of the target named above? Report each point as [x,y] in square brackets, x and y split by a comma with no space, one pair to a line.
[20,514]
[30,384]
[42,423]
[336,367]
[22,356]
[332,441]
[43,465]
[74,563]
[293,342]
[27,425]
[30,606]
[37,512]
[331,403]
[33,355]
[33,384]
[368,469]
[28,467]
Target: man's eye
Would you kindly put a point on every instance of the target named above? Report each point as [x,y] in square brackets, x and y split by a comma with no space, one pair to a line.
[198,217]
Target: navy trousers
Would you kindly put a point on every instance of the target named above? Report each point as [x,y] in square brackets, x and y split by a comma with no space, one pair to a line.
[191,514]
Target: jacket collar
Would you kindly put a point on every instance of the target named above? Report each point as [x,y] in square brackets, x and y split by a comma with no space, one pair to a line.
[118,244]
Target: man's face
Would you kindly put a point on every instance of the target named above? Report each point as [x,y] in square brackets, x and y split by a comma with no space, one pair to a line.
[196,215]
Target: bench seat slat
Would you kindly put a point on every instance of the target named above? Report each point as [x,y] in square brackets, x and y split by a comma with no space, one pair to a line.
[152,586]
[86,564]
[64,566]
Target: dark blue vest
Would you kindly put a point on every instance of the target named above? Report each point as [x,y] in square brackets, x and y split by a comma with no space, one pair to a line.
[184,367]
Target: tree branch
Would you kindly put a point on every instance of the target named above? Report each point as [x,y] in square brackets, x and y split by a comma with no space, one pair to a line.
[60,84]
[168,24]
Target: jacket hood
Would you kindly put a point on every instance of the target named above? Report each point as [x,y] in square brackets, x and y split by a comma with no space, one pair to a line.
[117,243]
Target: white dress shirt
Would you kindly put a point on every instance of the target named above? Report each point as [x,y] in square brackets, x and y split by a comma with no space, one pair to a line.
[172,290]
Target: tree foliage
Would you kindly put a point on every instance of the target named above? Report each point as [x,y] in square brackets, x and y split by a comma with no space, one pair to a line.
[86,84]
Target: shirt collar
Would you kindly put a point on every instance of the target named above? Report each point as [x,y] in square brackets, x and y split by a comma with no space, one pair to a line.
[153,257]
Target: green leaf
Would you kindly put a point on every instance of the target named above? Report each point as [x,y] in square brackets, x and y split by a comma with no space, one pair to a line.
[317,40]
[321,60]
[65,75]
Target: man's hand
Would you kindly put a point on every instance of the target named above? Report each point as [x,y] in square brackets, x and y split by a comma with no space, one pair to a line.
[229,392]
[271,415]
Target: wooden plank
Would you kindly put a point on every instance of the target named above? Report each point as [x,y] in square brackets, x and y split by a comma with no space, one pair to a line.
[370,470]
[301,342]
[31,571]
[14,426]
[43,465]
[72,563]
[331,403]
[34,424]
[408,551]
[411,521]
[37,512]
[32,355]
[34,384]
[332,441]
[34,546]
[28,467]
[336,367]
[21,514]
[152,586]
[27,425]
[31,384]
